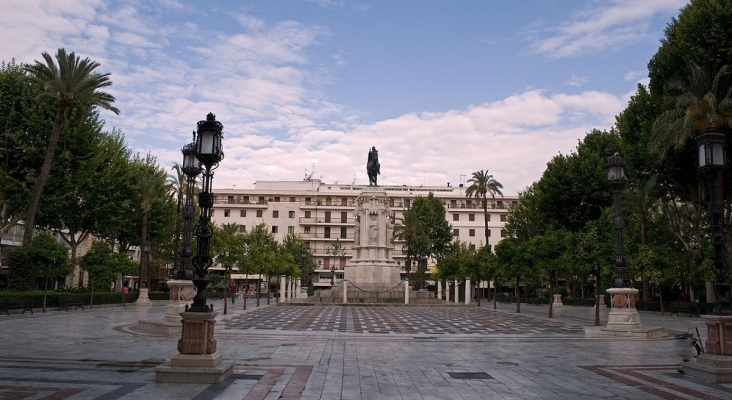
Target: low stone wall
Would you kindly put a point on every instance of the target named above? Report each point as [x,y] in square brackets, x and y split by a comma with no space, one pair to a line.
[373,294]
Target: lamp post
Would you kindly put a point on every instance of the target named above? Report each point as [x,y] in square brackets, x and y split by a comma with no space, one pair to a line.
[191,169]
[303,257]
[616,179]
[712,158]
[209,153]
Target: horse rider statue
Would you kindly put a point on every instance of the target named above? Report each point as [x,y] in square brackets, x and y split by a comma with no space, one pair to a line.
[372,166]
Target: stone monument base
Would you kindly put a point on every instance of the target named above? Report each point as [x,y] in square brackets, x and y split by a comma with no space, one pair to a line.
[623,319]
[193,373]
[198,360]
[374,293]
[716,364]
[142,299]
[372,274]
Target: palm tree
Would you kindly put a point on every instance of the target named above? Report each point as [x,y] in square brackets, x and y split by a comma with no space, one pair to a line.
[71,83]
[149,190]
[692,105]
[177,184]
[482,184]
[412,232]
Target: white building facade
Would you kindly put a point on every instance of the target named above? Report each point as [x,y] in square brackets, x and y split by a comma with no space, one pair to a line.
[322,213]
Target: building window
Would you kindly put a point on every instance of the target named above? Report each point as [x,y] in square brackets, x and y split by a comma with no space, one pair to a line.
[277,199]
[391,202]
[259,213]
[243,228]
[471,217]
[472,246]
[489,233]
[406,203]
[503,233]
[307,229]
[292,200]
[326,233]
[456,232]
[328,201]
[230,199]
[307,201]
[471,232]
[261,200]
[326,263]
[275,214]
[213,212]
[291,214]
[274,229]
[307,214]
[343,262]
[489,217]
[344,217]
[344,231]
[227,213]
[503,217]
[290,229]
[456,217]
[242,213]
[327,216]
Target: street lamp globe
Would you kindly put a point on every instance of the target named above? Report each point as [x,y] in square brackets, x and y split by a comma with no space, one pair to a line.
[711,150]
[208,141]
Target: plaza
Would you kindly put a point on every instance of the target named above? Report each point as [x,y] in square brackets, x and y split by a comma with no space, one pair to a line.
[298,352]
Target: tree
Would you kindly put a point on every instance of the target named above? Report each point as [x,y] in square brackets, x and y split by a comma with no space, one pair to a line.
[71,83]
[437,232]
[641,198]
[514,262]
[701,35]
[260,252]
[227,248]
[482,184]
[293,245]
[103,266]
[413,234]
[550,254]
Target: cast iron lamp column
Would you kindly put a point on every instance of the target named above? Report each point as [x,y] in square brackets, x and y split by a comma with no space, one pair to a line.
[616,179]
[712,157]
[303,257]
[209,153]
[191,170]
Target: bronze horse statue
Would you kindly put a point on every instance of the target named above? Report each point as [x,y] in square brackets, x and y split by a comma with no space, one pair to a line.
[373,168]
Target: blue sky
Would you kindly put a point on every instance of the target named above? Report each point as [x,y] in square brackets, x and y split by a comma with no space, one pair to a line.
[440,88]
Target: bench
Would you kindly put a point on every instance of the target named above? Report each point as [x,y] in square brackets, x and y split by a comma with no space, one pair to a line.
[66,301]
[684,307]
[15,303]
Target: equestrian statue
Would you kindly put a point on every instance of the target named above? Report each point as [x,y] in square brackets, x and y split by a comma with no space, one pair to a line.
[373,168]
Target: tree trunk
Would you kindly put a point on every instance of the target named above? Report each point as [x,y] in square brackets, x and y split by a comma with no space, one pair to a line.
[495,292]
[35,199]
[551,296]
[597,295]
[268,291]
[660,299]
[142,270]
[246,289]
[518,295]
[485,219]
[259,289]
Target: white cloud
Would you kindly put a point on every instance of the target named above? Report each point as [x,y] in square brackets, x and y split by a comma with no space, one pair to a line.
[577,81]
[605,26]
[259,84]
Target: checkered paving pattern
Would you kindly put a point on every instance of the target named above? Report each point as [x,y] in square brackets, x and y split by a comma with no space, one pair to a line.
[398,320]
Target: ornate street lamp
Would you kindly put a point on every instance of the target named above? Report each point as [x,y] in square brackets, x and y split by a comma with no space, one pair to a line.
[209,153]
[616,179]
[191,169]
[712,158]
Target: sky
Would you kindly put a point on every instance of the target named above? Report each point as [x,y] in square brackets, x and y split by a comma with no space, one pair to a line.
[306,87]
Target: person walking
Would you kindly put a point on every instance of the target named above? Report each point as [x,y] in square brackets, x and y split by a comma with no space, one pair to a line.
[233,291]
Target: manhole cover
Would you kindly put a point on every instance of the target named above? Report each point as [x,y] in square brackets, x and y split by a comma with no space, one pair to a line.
[469,375]
[507,363]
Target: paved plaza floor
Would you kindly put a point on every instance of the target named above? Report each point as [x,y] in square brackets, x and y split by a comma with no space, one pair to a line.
[296,352]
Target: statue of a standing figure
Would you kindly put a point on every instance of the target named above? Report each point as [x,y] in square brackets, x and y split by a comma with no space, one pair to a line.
[373,168]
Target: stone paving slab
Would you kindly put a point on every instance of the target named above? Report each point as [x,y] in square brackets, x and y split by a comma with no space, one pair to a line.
[378,353]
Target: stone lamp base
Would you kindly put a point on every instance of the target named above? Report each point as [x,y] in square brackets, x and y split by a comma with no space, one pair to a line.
[623,319]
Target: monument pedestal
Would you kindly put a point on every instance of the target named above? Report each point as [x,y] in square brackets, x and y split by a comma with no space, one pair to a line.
[558,301]
[142,299]
[623,319]
[716,364]
[199,360]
